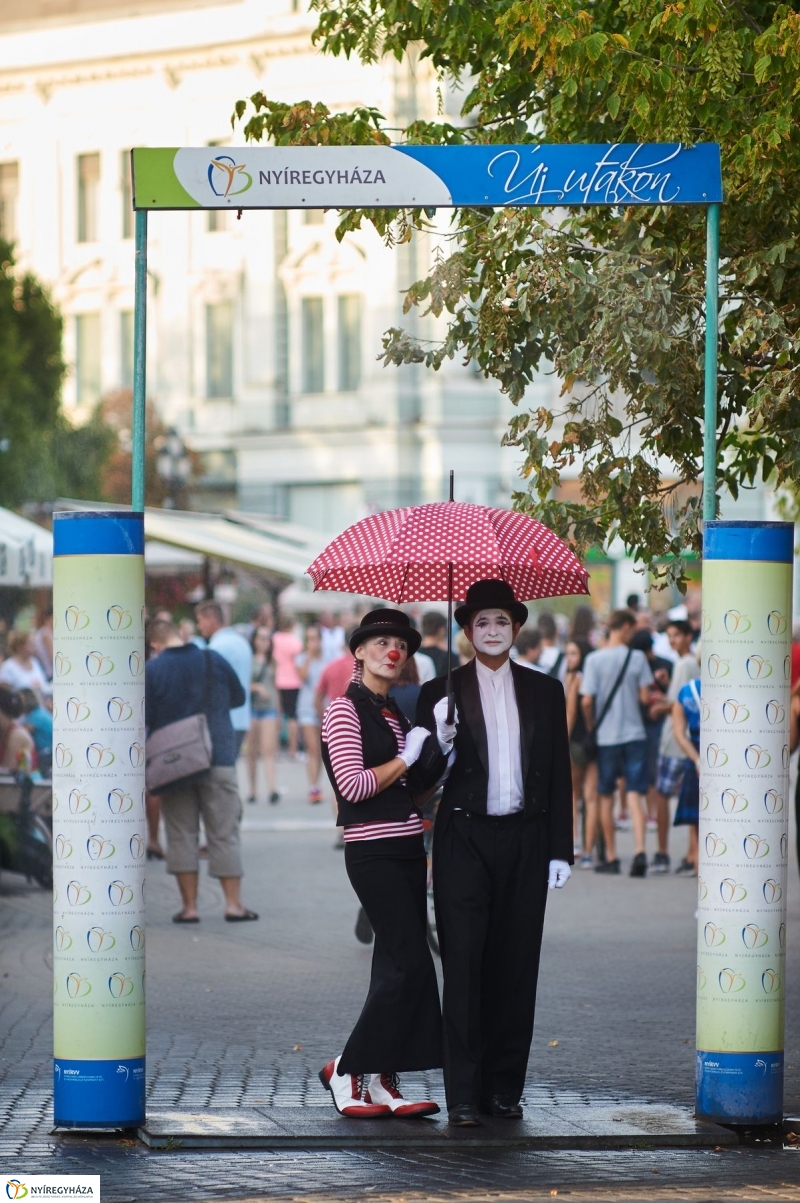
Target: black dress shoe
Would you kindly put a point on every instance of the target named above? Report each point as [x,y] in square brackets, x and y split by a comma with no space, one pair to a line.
[502,1107]
[463,1116]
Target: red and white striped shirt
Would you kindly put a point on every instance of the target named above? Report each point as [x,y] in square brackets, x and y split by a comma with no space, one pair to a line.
[341,731]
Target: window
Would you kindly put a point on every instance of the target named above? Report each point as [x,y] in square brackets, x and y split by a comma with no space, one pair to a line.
[9,193]
[88,197]
[126,348]
[349,342]
[314,217]
[127,195]
[219,349]
[313,345]
[87,358]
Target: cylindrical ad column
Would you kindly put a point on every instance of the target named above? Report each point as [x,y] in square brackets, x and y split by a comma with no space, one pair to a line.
[744,806]
[99,831]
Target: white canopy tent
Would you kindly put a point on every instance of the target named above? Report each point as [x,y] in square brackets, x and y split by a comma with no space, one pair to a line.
[26,552]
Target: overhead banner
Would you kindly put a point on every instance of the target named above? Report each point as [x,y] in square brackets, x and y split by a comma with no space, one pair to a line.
[744,808]
[99,829]
[355,177]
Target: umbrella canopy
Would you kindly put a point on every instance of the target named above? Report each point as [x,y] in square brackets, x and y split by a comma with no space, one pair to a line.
[406,555]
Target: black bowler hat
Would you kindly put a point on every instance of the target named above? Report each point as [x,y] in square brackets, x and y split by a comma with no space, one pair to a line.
[386,622]
[491,595]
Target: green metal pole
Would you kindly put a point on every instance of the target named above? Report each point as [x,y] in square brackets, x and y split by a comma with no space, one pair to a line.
[139,362]
[710,409]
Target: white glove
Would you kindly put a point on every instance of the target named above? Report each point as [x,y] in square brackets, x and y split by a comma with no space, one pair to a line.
[414,741]
[445,732]
[559,875]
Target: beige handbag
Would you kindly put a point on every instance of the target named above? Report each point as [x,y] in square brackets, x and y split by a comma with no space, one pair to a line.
[180,749]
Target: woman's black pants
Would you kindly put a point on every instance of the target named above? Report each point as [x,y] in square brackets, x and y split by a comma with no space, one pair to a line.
[399,1028]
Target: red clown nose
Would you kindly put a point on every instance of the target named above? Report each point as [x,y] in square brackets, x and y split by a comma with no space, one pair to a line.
[393,655]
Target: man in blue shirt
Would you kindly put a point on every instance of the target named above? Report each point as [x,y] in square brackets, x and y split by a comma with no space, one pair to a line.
[234,648]
[175,688]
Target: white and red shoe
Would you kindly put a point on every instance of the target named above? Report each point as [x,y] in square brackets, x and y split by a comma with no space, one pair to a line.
[385,1089]
[347,1091]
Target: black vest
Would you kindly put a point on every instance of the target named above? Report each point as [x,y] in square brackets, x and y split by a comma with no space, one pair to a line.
[393,804]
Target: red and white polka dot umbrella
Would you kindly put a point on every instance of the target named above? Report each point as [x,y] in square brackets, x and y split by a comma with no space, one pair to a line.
[405,555]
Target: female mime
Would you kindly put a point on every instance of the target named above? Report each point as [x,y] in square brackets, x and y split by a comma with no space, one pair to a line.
[377,764]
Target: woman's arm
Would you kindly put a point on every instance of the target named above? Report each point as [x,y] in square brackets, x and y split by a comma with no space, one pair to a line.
[302,666]
[572,700]
[681,729]
[342,734]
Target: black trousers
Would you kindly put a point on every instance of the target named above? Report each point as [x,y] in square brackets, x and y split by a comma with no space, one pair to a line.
[399,1028]
[490,888]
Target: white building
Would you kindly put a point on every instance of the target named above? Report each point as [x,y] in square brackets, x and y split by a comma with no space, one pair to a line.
[263,333]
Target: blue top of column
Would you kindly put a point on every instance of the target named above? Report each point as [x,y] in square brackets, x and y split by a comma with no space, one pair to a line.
[98,533]
[771,541]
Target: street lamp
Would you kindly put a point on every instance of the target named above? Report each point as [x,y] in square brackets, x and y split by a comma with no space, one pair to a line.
[173,466]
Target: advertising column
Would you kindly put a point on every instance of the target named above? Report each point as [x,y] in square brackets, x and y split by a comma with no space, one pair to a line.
[99,831]
[744,805]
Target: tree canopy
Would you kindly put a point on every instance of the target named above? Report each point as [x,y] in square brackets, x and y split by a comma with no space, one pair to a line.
[612,299]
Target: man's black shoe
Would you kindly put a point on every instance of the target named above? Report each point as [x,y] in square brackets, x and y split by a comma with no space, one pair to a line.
[607,866]
[639,865]
[502,1107]
[463,1116]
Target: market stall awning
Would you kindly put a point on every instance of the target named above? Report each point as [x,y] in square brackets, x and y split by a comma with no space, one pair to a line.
[26,552]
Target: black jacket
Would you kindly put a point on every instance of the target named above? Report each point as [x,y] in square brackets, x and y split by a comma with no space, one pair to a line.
[546,769]
[395,803]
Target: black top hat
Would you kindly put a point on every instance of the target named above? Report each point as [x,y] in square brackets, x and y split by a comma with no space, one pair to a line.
[491,595]
[386,622]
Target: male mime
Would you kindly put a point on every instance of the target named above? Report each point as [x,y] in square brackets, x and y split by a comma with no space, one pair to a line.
[503,834]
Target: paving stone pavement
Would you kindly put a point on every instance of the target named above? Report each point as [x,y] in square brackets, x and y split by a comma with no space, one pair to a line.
[246,1015]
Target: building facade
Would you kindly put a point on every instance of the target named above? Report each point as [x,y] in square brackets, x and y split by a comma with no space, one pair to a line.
[263,333]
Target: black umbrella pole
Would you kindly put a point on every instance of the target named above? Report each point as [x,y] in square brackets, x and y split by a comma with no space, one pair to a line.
[451,701]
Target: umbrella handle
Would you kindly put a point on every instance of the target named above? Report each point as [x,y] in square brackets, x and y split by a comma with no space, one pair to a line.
[451,701]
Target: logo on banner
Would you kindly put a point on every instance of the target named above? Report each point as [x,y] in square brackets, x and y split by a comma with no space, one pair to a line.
[77,711]
[63,939]
[136,664]
[770,981]
[119,803]
[754,936]
[736,623]
[716,756]
[782,935]
[63,847]
[99,757]
[77,986]
[755,848]
[76,619]
[118,619]
[715,845]
[772,891]
[120,893]
[704,800]
[100,940]
[713,935]
[62,756]
[79,803]
[78,894]
[756,757]
[62,665]
[731,891]
[120,986]
[731,982]
[119,711]
[717,667]
[99,665]
[758,669]
[787,668]
[734,712]
[136,938]
[773,802]
[16,1189]
[701,979]
[136,754]
[784,846]
[702,890]
[136,845]
[733,803]
[775,712]
[776,622]
[226,177]
[785,756]
[99,848]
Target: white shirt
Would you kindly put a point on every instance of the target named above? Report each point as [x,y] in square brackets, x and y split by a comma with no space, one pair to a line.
[500,713]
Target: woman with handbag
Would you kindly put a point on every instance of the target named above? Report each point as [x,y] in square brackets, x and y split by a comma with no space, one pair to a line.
[377,764]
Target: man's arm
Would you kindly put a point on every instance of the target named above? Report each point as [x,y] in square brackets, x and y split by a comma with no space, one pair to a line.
[236,694]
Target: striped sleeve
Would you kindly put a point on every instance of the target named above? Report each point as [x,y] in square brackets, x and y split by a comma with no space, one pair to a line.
[342,734]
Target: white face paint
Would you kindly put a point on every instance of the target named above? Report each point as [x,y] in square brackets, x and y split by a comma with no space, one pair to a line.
[492,632]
